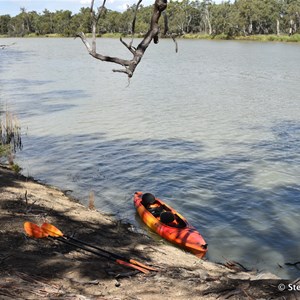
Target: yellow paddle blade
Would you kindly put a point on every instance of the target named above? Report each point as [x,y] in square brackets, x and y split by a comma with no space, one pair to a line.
[34,230]
[51,230]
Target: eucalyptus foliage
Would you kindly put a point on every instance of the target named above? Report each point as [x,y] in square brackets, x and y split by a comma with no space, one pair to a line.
[230,18]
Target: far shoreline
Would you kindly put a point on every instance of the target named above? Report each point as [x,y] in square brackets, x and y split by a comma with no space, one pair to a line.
[189,36]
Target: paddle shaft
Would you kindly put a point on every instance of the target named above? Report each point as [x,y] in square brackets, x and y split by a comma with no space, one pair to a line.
[105,255]
[116,256]
[95,247]
[55,232]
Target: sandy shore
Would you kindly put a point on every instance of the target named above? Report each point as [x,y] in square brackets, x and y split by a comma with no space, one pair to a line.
[47,269]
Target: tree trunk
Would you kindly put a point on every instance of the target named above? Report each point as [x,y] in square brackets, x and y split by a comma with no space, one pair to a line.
[291,27]
[250,28]
[208,21]
[278,27]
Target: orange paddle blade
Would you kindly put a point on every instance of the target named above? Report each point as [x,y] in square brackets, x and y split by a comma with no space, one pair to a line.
[134,262]
[129,265]
[34,230]
[51,230]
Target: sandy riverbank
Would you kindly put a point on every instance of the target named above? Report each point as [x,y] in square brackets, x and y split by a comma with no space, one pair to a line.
[46,269]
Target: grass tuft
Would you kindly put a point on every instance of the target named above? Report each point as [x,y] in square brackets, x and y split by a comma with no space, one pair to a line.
[10,136]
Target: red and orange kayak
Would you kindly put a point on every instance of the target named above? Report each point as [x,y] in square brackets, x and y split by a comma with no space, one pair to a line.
[184,235]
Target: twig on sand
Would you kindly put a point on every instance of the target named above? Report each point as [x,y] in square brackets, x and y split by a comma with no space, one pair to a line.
[28,206]
[4,258]
[118,275]
[234,265]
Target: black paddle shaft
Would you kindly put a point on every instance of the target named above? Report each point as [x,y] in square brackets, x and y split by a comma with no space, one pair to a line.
[97,248]
[105,255]
[111,254]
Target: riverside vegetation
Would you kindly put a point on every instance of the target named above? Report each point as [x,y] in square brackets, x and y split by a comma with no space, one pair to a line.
[274,20]
[10,139]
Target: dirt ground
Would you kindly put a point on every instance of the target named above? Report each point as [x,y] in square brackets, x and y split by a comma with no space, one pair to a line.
[47,269]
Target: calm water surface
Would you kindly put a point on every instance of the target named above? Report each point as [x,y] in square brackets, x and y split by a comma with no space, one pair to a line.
[214,130]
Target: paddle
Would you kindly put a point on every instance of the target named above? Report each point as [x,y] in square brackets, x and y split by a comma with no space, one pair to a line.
[55,232]
[35,231]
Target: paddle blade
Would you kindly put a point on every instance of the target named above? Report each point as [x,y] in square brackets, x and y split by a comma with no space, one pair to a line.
[129,265]
[34,230]
[132,261]
[51,230]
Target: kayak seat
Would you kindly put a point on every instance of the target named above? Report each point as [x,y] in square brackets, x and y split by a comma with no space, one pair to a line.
[148,199]
[171,220]
[155,210]
[153,206]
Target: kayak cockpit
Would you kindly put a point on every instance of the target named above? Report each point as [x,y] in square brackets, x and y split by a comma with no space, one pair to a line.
[165,215]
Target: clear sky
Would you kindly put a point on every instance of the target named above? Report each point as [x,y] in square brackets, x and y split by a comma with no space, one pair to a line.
[12,7]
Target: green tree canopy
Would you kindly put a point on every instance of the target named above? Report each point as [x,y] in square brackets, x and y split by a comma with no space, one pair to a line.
[241,17]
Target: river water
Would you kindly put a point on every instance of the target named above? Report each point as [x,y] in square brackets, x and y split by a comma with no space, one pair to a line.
[214,130]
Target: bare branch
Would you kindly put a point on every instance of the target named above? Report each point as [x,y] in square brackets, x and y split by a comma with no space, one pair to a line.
[166,29]
[133,21]
[92,52]
[92,5]
[120,71]
[85,41]
[176,45]
[166,23]
[129,47]
[101,10]
[152,34]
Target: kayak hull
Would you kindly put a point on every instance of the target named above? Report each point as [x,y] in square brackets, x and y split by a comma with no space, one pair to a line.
[187,238]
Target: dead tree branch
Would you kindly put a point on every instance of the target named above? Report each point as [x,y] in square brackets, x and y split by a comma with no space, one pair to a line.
[166,31]
[128,64]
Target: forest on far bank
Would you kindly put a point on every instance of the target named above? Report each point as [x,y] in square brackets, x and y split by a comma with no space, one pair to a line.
[237,19]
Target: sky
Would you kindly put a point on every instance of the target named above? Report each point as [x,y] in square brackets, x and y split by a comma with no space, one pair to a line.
[12,7]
